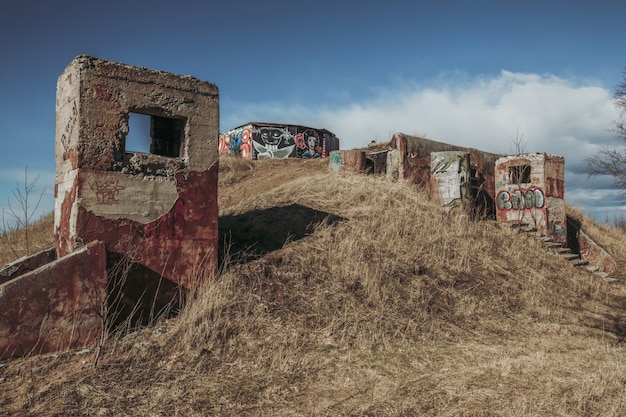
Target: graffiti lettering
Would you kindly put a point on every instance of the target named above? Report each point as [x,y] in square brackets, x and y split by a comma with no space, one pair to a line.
[106,191]
[69,127]
[520,200]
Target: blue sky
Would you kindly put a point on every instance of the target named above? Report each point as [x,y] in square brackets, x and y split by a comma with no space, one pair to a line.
[469,73]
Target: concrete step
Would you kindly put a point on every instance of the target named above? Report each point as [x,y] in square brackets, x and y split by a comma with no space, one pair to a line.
[570,256]
[515,225]
[552,244]
[579,262]
[563,250]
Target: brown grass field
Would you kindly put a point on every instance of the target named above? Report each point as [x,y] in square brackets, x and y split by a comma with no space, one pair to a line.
[346,295]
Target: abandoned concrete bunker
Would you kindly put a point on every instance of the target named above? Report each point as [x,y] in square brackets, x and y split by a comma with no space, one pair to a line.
[134,227]
[261,140]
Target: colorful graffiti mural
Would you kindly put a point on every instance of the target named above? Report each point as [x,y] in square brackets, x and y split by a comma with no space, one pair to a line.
[273,142]
[237,142]
[267,140]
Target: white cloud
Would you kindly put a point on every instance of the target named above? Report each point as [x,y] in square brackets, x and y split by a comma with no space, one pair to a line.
[554,115]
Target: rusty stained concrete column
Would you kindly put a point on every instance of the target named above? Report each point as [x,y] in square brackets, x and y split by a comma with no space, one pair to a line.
[159,209]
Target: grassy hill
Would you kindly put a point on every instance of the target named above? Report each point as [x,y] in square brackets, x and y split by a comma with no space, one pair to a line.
[345,295]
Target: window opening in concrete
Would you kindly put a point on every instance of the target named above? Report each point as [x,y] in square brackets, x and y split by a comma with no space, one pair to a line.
[154,134]
[519,174]
[138,138]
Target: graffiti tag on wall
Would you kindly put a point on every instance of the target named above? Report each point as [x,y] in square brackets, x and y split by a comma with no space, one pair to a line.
[106,190]
[520,200]
[69,127]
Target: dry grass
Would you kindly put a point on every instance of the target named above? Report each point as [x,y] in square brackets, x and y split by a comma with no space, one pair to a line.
[374,304]
[41,236]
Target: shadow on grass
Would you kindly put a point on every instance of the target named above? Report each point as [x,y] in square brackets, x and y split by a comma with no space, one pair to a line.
[613,321]
[249,236]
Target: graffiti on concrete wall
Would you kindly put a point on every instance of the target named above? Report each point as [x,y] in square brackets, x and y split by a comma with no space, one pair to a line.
[259,141]
[335,161]
[520,199]
[450,186]
[106,191]
[556,229]
[69,127]
[309,144]
[237,142]
[274,142]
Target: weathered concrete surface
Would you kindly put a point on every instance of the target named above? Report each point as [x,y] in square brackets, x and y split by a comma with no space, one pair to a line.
[530,189]
[449,180]
[26,264]
[157,208]
[377,162]
[55,307]
[595,255]
[176,245]
[353,161]
[414,162]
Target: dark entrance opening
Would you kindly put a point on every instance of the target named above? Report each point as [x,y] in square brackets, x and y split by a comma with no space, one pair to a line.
[138,296]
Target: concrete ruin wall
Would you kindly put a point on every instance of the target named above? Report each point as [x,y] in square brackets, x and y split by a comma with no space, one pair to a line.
[414,161]
[55,307]
[277,141]
[158,208]
[449,180]
[152,212]
[352,161]
[26,264]
[530,189]
[595,255]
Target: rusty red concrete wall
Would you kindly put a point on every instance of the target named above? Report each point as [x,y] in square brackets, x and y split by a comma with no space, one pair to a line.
[347,161]
[536,195]
[158,209]
[26,264]
[55,307]
[176,245]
